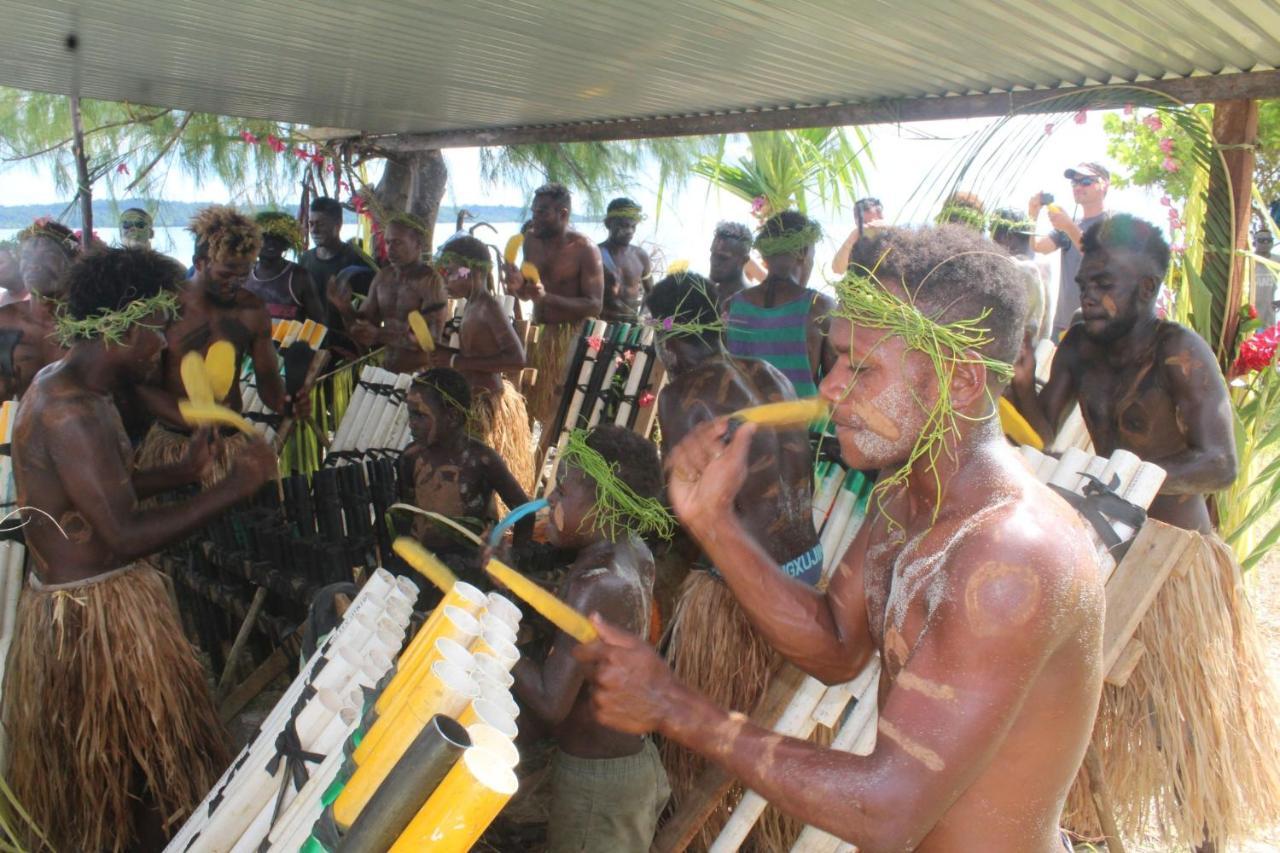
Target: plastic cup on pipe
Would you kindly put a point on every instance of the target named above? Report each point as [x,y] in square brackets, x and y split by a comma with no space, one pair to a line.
[488,738]
[492,669]
[505,609]
[489,713]
[456,624]
[496,643]
[494,622]
[499,696]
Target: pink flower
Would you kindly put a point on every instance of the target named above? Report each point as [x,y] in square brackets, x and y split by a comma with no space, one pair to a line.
[248,137]
[594,343]
[275,144]
[1170,165]
[330,167]
[302,153]
[1177,248]
[1154,122]
[462,272]
[1128,109]
[758,204]
[343,185]
[668,322]
[122,169]
[1081,117]
[1048,128]
[646,399]
[1166,144]
[629,356]
[1166,201]
[1258,351]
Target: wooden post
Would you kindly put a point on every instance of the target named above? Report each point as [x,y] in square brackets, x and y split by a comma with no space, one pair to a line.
[85,191]
[1235,129]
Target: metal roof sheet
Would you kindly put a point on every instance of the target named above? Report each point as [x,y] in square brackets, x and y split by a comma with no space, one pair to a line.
[454,68]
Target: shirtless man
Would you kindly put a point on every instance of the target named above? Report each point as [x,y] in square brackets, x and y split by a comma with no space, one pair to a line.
[982,596]
[781,320]
[488,347]
[607,785]
[215,306]
[285,287]
[1144,384]
[409,284]
[119,737]
[628,272]
[730,251]
[27,341]
[1154,388]
[571,290]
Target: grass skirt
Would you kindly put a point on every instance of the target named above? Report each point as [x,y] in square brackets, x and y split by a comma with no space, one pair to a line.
[549,356]
[106,702]
[165,446]
[714,649]
[1191,741]
[501,422]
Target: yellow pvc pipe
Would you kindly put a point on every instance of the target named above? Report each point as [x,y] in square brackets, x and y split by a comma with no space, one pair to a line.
[441,681]
[458,812]
[483,711]
[447,690]
[455,624]
[461,595]
[496,645]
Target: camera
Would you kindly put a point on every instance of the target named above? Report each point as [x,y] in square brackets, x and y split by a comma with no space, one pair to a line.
[1046,198]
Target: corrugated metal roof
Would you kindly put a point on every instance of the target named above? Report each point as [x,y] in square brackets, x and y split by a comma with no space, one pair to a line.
[438,67]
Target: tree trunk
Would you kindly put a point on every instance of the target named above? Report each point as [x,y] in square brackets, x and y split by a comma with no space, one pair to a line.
[1235,128]
[85,190]
[414,182]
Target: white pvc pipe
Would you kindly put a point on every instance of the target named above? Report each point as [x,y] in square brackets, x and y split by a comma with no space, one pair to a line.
[633,378]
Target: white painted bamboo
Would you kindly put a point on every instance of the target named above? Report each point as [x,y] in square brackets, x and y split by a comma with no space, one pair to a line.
[632,387]
[595,329]
[342,436]
[597,407]
[796,721]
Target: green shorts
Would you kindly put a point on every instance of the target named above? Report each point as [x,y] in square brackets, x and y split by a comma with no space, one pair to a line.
[606,805]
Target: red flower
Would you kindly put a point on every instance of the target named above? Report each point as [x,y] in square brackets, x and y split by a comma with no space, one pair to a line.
[594,343]
[248,137]
[1154,122]
[122,169]
[302,153]
[1257,351]
[1170,165]
[1166,201]
[1081,117]
[275,144]
[1166,144]
[629,356]
[330,168]
[646,399]
[1253,312]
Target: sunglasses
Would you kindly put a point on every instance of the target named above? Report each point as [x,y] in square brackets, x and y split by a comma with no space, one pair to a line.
[1084,182]
[134,224]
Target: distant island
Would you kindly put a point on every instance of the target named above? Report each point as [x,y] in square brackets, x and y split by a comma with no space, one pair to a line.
[177,213]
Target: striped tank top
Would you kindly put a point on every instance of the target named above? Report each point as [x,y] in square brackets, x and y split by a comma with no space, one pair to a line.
[777,335]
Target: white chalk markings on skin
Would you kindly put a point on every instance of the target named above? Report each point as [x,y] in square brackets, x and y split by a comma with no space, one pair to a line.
[918,751]
[934,690]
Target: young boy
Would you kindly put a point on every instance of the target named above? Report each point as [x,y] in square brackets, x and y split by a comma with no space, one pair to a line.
[452,473]
[487,346]
[607,788]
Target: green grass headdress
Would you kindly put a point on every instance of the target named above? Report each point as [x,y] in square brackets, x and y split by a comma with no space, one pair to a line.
[112,326]
[618,508]
[864,301]
[278,224]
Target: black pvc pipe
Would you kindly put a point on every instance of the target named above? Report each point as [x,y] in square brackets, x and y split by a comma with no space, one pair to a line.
[416,775]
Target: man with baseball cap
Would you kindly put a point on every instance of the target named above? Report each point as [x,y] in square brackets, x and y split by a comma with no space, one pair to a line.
[1089,184]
